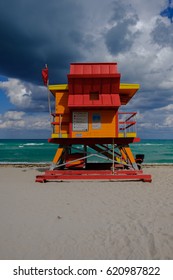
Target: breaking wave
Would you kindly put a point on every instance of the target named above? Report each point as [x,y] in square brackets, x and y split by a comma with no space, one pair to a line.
[34,144]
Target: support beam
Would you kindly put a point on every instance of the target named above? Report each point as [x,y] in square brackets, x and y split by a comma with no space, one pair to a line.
[128,156]
[57,157]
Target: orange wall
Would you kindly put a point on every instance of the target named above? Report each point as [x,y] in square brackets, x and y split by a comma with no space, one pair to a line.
[61,102]
[105,127]
[101,123]
[61,107]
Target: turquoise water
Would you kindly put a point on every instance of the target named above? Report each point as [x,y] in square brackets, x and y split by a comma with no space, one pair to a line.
[40,151]
[155,151]
[28,151]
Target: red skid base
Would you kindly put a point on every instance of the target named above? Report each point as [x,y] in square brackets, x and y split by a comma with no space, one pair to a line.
[86,175]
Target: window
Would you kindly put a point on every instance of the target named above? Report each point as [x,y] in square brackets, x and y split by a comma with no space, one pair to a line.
[94,95]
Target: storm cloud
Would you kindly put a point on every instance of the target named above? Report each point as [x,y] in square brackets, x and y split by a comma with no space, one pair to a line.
[120,37]
[37,32]
[162,34]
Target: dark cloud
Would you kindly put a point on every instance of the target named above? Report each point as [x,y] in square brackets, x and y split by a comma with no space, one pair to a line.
[150,99]
[119,11]
[37,32]
[119,38]
[162,34]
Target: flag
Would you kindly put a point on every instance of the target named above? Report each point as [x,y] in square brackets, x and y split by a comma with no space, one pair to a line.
[45,75]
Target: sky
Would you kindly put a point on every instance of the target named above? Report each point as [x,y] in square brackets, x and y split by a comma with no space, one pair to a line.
[58,32]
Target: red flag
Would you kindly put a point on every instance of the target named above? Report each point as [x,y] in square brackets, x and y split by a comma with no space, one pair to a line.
[45,75]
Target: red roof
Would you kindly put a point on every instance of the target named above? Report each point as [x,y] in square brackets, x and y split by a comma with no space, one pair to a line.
[93,68]
[93,85]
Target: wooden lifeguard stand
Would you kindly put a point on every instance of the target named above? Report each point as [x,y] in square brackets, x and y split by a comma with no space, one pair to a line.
[93,136]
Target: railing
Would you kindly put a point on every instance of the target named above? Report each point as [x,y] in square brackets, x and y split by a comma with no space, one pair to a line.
[59,124]
[127,124]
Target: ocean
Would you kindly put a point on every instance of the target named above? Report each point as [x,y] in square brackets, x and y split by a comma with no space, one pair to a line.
[40,151]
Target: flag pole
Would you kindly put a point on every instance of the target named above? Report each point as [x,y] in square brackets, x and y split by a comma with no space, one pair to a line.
[45,76]
[49,103]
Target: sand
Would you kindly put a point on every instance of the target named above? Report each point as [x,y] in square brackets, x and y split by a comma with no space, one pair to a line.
[85,220]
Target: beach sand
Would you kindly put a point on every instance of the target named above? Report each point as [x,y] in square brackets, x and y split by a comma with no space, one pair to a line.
[85,220]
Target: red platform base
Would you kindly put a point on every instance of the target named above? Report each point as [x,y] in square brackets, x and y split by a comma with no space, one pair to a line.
[86,175]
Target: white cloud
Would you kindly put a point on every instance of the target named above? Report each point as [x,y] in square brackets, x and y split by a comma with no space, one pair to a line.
[146,125]
[169,121]
[17,92]
[166,108]
[13,115]
[12,124]
[25,96]
[12,119]
[167,83]
[21,120]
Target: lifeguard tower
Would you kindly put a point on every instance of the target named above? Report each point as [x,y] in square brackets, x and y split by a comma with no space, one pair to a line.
[92,135]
